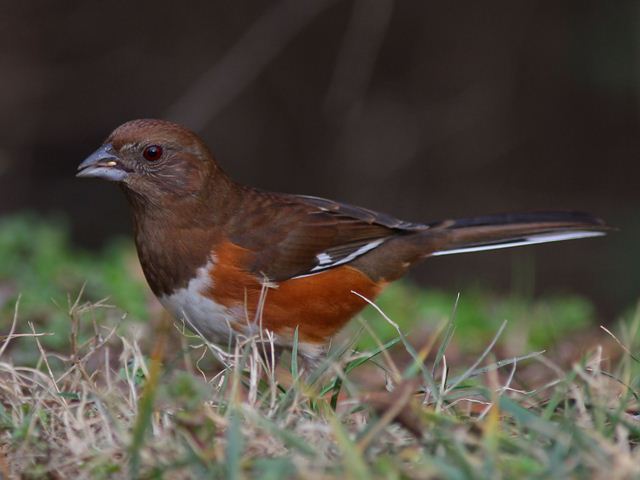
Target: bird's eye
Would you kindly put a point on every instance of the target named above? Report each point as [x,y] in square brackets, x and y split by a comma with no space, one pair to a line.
[152,152]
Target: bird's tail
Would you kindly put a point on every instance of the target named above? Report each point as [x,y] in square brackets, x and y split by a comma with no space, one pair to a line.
[511,230]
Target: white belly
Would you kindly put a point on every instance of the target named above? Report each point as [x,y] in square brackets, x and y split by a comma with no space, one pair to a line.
[199,312]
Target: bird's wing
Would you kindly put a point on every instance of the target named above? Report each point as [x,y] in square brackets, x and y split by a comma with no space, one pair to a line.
[304,235]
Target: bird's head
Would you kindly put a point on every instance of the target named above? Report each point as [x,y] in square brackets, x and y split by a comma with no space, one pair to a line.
[155,160]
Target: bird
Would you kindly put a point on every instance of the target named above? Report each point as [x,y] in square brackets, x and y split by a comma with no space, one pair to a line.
[229,259]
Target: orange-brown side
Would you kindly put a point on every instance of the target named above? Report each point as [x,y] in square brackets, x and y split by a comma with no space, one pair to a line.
[319,305]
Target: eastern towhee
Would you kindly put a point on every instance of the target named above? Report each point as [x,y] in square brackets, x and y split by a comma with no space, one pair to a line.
[226,257]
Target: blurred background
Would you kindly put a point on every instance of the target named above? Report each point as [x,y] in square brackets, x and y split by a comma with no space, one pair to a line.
[420,109]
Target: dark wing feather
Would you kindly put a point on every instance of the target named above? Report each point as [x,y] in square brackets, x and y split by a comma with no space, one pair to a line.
[359,213]
[305,235]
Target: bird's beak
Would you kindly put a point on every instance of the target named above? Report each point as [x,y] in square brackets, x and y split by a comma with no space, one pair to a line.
[103,163]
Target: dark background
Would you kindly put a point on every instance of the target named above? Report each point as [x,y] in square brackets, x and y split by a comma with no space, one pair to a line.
[420,109]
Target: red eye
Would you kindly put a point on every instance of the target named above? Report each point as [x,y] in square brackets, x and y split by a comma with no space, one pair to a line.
[152,152]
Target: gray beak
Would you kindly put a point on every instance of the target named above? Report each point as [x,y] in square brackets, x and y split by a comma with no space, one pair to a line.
[103,163]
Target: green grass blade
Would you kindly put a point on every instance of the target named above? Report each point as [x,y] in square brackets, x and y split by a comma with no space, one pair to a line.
[447,337]
[294,356]
[234,448]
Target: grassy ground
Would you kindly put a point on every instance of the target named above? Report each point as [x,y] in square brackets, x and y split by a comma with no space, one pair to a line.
[422,387]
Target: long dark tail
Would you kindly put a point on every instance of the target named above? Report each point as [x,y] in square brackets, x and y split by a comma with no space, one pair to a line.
[511,230]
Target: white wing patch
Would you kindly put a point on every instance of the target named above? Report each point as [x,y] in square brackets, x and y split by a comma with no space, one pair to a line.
[326,260]
[516,242]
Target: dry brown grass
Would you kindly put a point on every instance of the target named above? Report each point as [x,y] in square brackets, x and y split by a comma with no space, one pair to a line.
[190,409]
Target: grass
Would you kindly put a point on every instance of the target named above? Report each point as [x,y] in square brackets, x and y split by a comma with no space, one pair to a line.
[87,393]
[107,410]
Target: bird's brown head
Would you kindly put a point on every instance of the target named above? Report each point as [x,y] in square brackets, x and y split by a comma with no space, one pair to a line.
[155,161]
